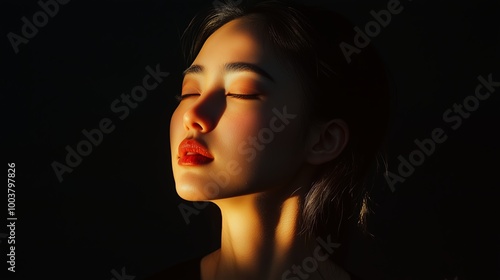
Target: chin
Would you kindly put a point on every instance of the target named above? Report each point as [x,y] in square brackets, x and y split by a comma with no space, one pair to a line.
[197,192]
[189,193]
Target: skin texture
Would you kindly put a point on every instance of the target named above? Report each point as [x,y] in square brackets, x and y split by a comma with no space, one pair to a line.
[263,163]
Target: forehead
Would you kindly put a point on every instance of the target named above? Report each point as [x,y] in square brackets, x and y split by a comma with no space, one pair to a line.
[237,39]
[241,40]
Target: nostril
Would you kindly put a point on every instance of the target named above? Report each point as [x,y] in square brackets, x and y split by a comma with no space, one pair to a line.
[197,126]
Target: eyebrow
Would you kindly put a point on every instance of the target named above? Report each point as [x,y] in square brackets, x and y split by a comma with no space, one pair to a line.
[231,67]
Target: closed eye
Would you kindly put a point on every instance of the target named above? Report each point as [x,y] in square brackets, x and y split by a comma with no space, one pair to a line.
[233,95]
[184,96]
[243,96]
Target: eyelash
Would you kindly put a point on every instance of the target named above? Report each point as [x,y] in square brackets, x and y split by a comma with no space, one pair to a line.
[234,95]
[183,96]
[243,96]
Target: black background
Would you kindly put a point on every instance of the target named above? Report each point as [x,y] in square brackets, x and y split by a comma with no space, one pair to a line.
[118,208]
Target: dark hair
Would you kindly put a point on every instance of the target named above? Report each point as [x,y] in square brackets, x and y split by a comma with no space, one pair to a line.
[357,91]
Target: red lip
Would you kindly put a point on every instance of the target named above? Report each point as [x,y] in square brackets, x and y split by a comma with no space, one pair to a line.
[191,152]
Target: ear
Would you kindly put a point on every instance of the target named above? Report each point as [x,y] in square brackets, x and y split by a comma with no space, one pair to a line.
[326,141]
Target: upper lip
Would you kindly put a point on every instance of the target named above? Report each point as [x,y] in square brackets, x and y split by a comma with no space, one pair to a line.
[193,146]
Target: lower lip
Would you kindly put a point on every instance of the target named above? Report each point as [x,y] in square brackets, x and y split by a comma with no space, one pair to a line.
[191,160]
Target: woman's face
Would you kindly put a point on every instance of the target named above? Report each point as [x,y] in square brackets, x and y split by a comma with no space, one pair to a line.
[245,109]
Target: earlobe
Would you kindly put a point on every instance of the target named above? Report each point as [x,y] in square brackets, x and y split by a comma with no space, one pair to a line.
[327,141]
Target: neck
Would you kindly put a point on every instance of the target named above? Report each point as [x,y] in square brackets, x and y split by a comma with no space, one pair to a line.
[260,240]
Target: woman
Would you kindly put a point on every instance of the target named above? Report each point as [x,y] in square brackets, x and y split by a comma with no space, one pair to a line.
[278,129]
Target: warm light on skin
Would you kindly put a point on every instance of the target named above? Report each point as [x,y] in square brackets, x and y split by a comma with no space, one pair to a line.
[286,229]
[226,123]
[261,198]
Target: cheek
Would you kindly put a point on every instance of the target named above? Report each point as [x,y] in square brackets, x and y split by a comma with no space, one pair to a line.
[233,131]
[239,126]
[280,148]
[267,150]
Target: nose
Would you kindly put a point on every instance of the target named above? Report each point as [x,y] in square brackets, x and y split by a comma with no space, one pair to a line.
[204,113]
